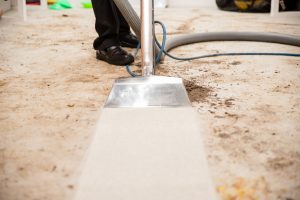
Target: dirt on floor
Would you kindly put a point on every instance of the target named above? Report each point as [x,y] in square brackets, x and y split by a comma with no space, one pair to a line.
[52,89]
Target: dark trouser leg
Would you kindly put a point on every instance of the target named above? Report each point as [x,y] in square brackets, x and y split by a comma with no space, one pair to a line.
[107,24]
[124,27]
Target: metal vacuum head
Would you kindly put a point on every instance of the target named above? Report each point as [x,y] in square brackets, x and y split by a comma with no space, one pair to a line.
[151,91]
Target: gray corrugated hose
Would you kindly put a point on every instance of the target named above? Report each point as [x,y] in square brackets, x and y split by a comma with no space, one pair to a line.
[135,23]
[233,36]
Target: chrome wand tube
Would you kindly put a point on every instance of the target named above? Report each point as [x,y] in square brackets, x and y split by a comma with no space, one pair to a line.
[147,39]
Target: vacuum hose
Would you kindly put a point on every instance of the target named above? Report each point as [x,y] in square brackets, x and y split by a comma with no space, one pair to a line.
[233,36]
[135,23]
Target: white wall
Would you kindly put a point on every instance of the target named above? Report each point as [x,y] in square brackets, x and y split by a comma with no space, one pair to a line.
[184,3]
[5,5]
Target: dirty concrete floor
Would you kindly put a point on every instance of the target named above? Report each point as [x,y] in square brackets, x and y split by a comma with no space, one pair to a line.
[52,89]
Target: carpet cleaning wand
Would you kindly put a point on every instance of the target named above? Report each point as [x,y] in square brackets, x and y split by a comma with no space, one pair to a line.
[147,39]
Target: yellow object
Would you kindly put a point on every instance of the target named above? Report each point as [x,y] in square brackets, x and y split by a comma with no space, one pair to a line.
[246,4]
[242,4]
[244,189]
[51,1]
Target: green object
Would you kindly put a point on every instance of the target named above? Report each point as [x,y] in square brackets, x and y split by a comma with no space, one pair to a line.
[86,4]
[61,5]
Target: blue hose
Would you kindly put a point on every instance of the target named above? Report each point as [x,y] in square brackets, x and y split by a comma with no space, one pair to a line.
[162,51]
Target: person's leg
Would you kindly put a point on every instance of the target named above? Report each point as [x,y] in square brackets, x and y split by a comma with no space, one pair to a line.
[126,38]
[107,24]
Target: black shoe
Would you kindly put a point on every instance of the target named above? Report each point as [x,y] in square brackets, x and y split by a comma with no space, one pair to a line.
[128,40]
[115,55]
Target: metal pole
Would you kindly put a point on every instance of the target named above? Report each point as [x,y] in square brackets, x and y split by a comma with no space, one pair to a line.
[147,43]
